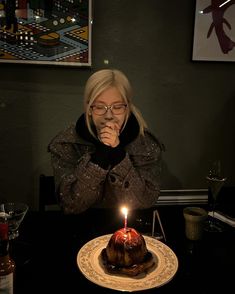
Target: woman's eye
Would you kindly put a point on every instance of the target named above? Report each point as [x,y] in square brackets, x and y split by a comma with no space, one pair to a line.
[117,106]
[99,107]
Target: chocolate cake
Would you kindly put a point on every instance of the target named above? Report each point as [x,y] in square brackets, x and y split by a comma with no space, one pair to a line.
[127,253]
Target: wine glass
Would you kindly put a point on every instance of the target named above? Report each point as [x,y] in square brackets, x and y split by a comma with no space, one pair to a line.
[14,213]
[215,183]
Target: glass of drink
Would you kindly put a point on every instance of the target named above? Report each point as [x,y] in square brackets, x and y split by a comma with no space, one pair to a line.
[215,182]
[14,213]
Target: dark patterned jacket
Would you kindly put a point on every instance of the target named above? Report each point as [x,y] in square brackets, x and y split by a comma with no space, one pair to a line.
[91,174]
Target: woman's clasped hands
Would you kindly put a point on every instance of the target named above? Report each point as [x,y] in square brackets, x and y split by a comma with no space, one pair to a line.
[109,134]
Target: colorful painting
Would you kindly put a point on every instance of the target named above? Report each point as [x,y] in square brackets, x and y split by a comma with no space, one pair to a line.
[49,32]
[214,31]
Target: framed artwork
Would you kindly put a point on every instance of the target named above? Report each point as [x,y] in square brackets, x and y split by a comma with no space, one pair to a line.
[214,30]
[52,32]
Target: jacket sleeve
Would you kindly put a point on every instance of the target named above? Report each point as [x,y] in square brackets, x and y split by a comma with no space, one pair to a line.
[135,181]
[79,182]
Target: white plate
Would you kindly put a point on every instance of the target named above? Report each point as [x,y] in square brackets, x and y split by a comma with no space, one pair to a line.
[90,264]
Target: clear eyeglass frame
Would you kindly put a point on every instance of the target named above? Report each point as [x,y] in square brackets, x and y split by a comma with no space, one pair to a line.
[116,109]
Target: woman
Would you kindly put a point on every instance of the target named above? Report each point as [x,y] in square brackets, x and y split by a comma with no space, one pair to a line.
[109,158]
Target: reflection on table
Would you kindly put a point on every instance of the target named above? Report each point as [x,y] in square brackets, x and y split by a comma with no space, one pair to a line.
[49,242]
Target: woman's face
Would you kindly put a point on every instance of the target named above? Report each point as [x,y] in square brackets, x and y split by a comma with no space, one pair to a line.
[109,97]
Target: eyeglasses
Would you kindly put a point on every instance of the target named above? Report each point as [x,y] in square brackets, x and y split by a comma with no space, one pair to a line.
[100,109]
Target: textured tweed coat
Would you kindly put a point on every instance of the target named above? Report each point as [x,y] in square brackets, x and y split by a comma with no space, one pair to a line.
[82,184]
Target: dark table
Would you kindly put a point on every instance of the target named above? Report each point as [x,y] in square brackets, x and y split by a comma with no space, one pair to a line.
[46,252]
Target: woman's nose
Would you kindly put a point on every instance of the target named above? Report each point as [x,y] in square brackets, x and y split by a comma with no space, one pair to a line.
[109,114]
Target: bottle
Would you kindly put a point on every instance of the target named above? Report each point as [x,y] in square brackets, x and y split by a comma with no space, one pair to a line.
[7,264]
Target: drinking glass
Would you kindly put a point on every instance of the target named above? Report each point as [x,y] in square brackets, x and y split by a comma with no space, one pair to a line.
[215,183]
[14,213]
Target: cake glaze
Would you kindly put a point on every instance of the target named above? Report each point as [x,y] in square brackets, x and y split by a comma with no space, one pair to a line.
[127,253]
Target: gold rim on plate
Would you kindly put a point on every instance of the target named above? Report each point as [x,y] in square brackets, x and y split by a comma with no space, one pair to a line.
[90,265]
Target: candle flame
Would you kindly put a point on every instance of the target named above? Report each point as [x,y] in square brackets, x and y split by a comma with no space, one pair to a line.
[125,211]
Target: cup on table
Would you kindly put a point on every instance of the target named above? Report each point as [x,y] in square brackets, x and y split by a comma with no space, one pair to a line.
[194,222]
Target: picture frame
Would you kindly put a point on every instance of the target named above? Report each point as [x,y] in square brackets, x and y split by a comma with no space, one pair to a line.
[214,31]
[46,32]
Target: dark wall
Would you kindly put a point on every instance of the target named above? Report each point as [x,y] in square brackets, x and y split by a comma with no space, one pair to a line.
[188,105]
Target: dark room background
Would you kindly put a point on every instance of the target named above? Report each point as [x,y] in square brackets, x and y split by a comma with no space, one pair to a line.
[189,105]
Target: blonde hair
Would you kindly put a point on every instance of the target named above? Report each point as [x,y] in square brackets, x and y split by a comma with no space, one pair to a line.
[101,81]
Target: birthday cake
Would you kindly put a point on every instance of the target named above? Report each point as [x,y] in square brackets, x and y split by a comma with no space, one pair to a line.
[126,253]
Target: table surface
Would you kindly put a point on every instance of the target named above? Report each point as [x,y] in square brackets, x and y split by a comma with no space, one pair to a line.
[46,251]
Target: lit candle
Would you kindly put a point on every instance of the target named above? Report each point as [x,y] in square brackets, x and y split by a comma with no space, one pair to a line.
[125,211]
